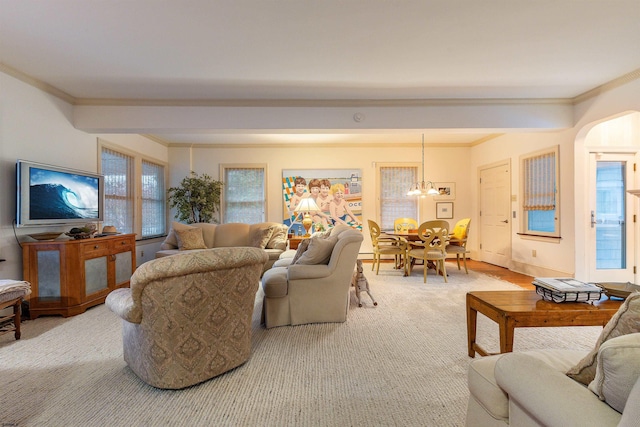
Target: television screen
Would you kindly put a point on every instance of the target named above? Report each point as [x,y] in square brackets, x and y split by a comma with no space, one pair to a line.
[55,195]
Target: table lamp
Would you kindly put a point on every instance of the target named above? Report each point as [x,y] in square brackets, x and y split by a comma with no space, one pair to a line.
[306,206]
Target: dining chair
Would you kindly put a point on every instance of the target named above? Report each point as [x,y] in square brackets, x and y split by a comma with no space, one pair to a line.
[385,244]
[434,236]
[458,242]
[403,225]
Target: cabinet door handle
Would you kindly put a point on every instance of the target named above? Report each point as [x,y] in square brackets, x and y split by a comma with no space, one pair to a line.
[96,247]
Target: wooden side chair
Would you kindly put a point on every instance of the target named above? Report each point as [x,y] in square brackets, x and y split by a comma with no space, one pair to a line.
[11,295]
[385,244]
[434,236]
[403,225]
[458,242]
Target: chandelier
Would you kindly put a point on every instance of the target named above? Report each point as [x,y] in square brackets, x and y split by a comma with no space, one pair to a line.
[424,188]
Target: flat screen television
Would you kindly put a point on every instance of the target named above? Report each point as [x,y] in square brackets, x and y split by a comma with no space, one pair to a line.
[52,195]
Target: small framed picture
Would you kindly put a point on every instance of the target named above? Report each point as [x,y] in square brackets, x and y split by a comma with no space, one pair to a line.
[444,210]
[446,190]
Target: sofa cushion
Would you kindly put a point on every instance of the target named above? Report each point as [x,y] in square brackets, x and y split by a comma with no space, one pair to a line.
[631,415]
[278,237]
[617,370]
[190,238]
[261,236]
[318,252]
[625,321]
[232,234]
[302,248]
[171,241]
[490,396]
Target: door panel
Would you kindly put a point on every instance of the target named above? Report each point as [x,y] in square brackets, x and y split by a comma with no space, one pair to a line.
[495,223]
[611,233]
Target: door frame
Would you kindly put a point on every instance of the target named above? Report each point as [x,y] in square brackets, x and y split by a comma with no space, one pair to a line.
[631,213]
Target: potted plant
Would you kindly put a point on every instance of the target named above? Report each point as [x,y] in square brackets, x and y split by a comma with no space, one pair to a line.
[197,199]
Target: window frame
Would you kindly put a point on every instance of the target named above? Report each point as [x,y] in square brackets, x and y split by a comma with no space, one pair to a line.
[225,191]
[524,181]
[136,192]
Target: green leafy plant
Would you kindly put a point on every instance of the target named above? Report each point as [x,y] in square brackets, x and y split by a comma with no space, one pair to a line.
[197,199]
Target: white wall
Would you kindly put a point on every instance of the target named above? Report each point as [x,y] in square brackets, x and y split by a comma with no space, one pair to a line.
[441,164]
[559,255]
[38,127]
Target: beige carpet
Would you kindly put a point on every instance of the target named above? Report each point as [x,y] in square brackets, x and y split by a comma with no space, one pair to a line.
[402,363]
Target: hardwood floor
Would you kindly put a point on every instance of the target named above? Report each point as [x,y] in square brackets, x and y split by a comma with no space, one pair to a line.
[499,272]
[491,270]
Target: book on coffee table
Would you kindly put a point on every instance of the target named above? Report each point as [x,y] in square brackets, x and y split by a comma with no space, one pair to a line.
[564,289]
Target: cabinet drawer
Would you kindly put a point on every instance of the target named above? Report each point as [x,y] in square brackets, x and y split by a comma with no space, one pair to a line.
[95,248]
[120,245]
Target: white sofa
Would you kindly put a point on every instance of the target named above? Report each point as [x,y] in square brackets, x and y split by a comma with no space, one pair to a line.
[269,236]
[563,388]
[314,289]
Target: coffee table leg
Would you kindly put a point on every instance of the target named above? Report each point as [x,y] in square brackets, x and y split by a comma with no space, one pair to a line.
[507,326]
[472,319]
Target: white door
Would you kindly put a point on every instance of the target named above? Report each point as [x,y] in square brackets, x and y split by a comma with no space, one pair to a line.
[495,219]
[611,232]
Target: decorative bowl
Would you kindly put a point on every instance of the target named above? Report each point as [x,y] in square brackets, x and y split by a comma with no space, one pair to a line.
[45,236]
[619,289]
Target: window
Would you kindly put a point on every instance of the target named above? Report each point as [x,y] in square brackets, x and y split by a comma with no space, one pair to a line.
[128,174]
[394,182]
[245,192]
[540,193]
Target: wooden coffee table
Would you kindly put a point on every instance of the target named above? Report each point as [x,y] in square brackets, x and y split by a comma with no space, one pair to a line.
[518,309]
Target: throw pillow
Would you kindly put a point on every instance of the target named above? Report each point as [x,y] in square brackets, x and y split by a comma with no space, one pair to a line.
[171,237]
[261,237]
[302,247]
[625,321]
[190,238]
[319,251]
[278,237]
[618,369]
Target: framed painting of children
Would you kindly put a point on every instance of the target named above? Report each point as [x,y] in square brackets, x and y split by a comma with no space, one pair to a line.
[337,193]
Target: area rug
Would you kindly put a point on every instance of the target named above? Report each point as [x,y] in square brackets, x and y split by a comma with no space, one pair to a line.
[400,363]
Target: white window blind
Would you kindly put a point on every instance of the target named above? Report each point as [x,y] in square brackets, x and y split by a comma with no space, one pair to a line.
[117,169]
[395,181]
[540,182]
[244,195]
[540,193]
[153,199]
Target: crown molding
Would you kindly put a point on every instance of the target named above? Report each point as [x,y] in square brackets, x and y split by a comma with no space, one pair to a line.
[38,84]
[620,81]
[325,145]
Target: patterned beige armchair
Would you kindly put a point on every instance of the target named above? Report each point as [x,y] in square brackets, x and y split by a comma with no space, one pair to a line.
[187,318]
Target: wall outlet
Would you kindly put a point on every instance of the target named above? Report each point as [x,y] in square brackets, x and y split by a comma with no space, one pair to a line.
[141,254]
[534,253]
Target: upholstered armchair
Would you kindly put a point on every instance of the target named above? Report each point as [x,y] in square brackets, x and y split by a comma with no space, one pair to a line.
[311,289]
[187,317]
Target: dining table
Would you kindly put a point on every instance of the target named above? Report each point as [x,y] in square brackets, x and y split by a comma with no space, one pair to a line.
[410,236]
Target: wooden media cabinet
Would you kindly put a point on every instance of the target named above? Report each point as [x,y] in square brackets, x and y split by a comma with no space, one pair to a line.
[69,276]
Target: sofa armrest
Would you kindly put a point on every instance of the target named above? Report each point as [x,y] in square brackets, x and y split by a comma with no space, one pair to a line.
[306,271]
[549,395]
[121,303]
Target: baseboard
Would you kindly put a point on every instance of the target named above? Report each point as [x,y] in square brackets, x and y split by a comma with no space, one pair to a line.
[536,270]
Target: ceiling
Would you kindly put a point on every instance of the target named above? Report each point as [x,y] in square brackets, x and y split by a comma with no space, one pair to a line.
[195,52]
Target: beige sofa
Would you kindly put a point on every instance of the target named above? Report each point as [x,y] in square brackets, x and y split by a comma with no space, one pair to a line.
[187,318]
[563,388]
[315,288]
[269,236]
